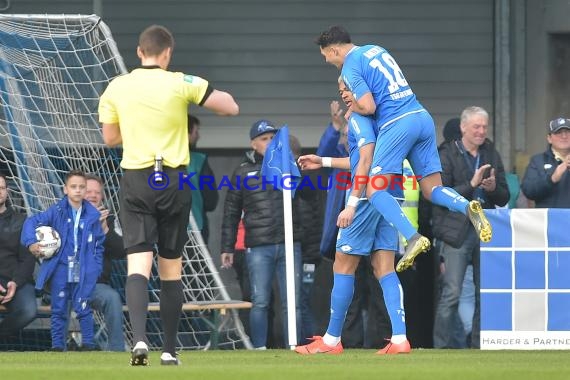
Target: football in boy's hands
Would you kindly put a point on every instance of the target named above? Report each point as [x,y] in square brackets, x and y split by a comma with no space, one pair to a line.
[48,240]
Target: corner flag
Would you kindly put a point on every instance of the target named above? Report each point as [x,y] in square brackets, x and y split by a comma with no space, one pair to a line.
[279,162]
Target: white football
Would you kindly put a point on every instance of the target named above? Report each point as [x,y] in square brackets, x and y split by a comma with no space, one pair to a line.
[49,240]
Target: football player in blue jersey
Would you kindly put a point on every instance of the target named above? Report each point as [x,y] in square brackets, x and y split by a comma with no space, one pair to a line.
[405,130]
[362,231]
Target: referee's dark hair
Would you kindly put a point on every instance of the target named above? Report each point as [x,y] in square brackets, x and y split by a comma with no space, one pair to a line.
[154,40]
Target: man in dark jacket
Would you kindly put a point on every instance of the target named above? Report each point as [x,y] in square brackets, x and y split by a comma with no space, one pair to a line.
[262,207]
[473,167]
[16,268]
[546,180]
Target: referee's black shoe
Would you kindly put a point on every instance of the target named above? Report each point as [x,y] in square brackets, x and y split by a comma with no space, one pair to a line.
[168,359]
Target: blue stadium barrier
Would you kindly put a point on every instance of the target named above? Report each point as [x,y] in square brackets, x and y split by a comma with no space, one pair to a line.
[525,280]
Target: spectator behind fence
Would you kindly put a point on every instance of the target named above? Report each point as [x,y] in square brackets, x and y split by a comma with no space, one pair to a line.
[473,167]
[16,269]
[205,198]
[546,180]
[262,207]
[147,112]
[105,299]
[72,272]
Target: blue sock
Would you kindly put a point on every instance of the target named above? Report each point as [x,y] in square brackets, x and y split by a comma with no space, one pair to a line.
[447,197]
[389,207]
[341,297]
[394,300]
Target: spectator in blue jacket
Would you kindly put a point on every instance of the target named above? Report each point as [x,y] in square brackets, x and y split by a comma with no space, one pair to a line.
[546,180]
[72,272]
[333,144]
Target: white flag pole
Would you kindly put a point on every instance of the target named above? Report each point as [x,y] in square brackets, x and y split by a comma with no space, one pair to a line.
[290,264]
[284,168]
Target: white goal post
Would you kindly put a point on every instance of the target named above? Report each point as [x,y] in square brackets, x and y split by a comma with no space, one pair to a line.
[52,70]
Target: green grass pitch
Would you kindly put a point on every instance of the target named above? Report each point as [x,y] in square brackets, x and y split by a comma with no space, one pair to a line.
[285,364]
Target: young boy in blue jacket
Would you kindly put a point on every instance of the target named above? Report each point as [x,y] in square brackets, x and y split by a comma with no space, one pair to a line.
[71,272]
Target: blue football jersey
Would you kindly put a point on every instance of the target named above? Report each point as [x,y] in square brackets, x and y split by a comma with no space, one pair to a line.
[371,68]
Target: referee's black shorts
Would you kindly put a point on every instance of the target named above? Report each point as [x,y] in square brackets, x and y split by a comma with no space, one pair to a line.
[152,216]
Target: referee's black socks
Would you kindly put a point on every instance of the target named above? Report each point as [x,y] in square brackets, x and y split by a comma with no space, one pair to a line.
[136,290]
[171,300]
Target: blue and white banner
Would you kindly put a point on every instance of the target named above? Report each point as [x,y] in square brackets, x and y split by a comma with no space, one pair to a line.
[525,280]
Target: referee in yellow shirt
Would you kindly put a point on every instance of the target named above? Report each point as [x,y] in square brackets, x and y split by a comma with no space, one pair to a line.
[146,112]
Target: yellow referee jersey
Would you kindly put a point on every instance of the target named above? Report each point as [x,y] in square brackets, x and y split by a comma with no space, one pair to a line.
[151,106]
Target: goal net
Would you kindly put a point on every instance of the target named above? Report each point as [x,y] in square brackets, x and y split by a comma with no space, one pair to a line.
[52,70]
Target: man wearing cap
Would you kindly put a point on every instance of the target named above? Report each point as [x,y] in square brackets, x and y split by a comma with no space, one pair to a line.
[262,207]
[546,180]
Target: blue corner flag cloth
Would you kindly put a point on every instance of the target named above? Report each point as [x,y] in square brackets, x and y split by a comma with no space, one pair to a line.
[279,166]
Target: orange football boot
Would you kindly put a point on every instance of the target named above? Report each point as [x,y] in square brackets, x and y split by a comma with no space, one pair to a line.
[393,348]
[317,346]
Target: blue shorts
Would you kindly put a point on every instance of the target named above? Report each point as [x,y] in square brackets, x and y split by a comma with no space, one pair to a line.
[368,232]
[412,137]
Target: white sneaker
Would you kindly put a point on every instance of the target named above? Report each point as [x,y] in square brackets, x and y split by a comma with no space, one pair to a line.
[139,355]
[167,359]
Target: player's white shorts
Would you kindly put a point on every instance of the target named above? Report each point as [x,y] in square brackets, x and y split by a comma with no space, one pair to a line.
[368,232]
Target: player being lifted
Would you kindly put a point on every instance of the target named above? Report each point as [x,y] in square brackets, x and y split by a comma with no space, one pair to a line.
[405,130]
